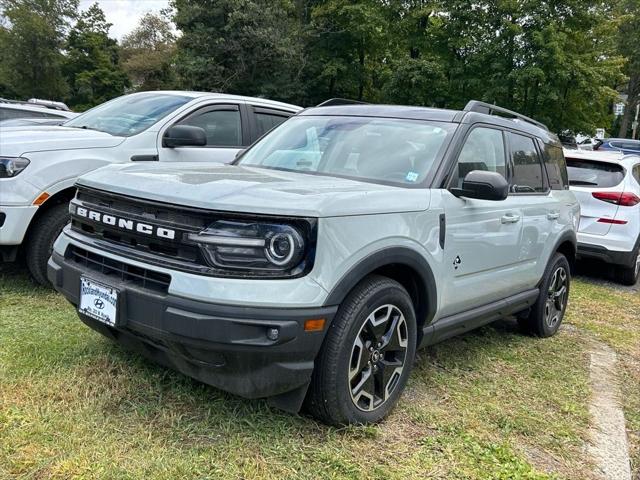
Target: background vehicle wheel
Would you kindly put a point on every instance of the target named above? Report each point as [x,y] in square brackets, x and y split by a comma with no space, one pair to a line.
[367,355]
[546,315]
[629,275]
[42,235]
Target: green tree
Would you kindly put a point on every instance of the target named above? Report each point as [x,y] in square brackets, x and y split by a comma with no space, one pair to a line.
[32,40]
[249,47]
[148,53]
[92,65]
[629,44]
[347,45]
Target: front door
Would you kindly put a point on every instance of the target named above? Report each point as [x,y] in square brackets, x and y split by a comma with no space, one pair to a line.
[226,132]
[482,241]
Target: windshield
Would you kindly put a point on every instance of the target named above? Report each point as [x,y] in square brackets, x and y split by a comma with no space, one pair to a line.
[384,150]
[128,115]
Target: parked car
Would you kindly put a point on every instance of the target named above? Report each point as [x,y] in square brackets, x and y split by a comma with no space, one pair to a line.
[40,164]
[315,265]
[30,122]
[12,110]
[623,145]
[607,185]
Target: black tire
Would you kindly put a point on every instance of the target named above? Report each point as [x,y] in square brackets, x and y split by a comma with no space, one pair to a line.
[629,275]
[545,316]
[377,308]
[42,235]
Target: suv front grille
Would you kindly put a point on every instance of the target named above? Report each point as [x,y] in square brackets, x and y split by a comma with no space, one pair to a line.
[174,250]
[141,277]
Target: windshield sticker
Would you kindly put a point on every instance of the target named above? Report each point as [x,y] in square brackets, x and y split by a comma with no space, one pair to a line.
[412,177]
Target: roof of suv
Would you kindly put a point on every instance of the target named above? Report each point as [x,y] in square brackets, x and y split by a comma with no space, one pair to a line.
[436,114]
[195,95]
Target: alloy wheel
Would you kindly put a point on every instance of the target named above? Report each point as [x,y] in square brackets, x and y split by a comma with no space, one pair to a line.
[378,357]
[556,297]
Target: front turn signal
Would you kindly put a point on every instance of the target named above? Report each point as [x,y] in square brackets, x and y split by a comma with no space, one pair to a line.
[314,325]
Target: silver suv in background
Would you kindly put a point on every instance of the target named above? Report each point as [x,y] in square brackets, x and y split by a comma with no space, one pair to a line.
[311,269]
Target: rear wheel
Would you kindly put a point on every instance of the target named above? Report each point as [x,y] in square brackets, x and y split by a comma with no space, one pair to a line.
[43,234]
[629,275]
[367,356]
[545,316]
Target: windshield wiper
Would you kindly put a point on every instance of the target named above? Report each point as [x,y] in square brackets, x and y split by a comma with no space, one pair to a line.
[87,127]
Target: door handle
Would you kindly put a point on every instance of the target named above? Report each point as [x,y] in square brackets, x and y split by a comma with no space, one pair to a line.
[553,215]
[510,218]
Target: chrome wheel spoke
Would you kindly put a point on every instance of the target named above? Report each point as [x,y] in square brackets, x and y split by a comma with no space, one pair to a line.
[377,357]
[557,297]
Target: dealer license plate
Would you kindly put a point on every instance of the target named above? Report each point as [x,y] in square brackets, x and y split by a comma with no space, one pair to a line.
[98,301]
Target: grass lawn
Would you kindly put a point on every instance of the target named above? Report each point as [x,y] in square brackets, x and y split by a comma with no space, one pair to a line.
[491,404]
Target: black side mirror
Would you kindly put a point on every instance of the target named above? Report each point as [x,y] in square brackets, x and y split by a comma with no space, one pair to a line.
[184,136]
[483,185]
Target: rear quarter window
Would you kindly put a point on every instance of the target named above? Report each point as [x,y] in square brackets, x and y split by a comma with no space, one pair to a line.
[556,167]
[590,173]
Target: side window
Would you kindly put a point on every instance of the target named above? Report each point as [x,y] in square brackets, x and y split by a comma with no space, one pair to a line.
[636,172]
[483,150]
[527,168]
[221,124]
[268,119]
[556,167]
[9,113]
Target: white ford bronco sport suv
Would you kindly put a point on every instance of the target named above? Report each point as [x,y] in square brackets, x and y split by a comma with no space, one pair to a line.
[40,164]
[312,268]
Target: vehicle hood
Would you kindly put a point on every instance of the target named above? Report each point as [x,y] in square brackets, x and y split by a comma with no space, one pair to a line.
[16,141]
[254,190]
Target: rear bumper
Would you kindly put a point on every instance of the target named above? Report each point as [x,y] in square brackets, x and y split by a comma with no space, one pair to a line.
[222,345]
[598,252]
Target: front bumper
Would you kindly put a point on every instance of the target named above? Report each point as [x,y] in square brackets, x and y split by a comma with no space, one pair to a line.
[222,345]
[14,222]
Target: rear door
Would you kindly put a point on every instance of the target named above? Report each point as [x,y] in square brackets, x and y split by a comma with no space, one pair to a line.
[263,119]
[588,180]
[531,193]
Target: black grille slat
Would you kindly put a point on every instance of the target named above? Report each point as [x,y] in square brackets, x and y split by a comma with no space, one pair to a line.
[124,272]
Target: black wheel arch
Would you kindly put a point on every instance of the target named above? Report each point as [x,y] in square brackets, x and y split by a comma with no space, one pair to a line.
[403,264]
[567,244]
[63,196]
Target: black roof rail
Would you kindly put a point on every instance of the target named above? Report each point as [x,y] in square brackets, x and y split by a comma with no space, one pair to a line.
[483,107]
[332,102]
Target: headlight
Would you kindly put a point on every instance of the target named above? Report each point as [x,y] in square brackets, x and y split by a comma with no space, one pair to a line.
[12,166]
[267,249]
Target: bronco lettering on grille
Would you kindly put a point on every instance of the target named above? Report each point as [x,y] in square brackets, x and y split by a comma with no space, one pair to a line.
[126,224]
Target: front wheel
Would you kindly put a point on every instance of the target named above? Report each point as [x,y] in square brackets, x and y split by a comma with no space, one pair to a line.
[43,234]
[367,356]
[545,316]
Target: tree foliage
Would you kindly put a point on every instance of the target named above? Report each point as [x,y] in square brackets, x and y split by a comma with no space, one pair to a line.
[32,40]
[239,46]
[148,53]
[629,45]
[92,64]
[561,62]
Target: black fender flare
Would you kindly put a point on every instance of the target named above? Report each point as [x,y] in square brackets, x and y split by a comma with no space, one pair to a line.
[567,236]
[389,256]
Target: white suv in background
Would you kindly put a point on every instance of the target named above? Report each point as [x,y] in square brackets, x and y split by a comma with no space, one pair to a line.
[607,185]
[39,164]
[11,110]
